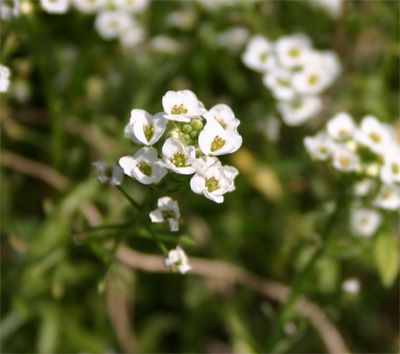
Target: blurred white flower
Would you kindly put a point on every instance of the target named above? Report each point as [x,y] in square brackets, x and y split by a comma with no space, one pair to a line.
[232,39]
[279,81]
[204,162]
[117,174]
[363,187]
[319,146]
[111,24]
[182,106]
[89,6]
[179,157]
[332,7]
[364,221]
[131,6]
[165,44]
[7,11]
[311,81]
[145,166]
[258,55]
[270,128]
[143,128]
[215,140]
[341,126]
[343,159]
[214,182]
[300,110]
[351,286]
[292,50]
[21,90]
[224,115]
[390,171]
[184,18]
[177,261]
[167,210]
[374,134]
[55,6]
[133,35]
[388,197]
[4,78]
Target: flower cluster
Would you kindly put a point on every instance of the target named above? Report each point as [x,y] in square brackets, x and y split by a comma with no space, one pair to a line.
[194,139]
[332,7]
[114,18]
[295,73]
[370,152]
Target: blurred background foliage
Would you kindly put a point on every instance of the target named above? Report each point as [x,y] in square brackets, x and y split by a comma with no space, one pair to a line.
[70,98]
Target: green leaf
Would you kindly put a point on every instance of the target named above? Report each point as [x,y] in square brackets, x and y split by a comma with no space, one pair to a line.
[386,257]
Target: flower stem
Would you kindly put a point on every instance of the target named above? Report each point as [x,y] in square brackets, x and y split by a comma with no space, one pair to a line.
[134,203]
[304,275]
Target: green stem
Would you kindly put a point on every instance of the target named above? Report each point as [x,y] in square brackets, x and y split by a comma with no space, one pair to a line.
[157,239]
[127,196]
[304,275]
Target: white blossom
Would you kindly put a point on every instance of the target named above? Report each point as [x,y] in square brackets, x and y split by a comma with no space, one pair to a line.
[4,78]
[300,110]
[101,166]
[363,188]
[179,157]
[312,80]
[90,6]
[232,39]
[319,146]
[224,115]
[143,128]
[390,171]
[214,182]
[167,210]
[292,50]
[182,106]
[259,54]
[145,166]
[279,81]
[344,159]
[204,162]
[131,6]
[341,126]
[388,197]
[215,140]
[351,286]
[133,35]
[55,6]
[111,24]
[117,174]
[374,134]
[165,44]
[177,260]
[364,221]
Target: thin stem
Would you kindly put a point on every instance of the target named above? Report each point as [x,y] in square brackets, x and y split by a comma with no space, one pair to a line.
[127,196]
[302,278]
[156,238]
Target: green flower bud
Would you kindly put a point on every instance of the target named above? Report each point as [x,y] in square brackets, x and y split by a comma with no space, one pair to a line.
[196,124]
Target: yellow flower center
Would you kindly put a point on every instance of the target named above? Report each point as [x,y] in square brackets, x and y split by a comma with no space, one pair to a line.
[217,143]
[178,109]
[212,184]
[144,168]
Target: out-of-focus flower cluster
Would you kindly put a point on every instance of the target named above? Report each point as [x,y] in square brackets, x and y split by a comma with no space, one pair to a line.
[4,78]
[194,139]
[332,7]
[295,73]
[371,153]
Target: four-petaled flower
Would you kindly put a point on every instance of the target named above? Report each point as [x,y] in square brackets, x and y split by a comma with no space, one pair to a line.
[182,106]
[177,261]
[117,174]
[167,210]
[224,115]
[179,157]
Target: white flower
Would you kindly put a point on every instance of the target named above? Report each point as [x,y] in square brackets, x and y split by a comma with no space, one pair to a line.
[300,110]
[279,81]
[204,162]
[332,7]
[165,44]
[388,197]
[181,106]
[363,187]
[215,140]
[167,210]
[111,24]
[177,260]
[117,174]
[319,146]
[4,78]
[132,36]
[232,39]
[131,6]
[143,128]
[259,54]
[375,135]
[311,81]
[214,182]
[7,12]
[390,171]
[327,61]
[145,166]
[90,6]
[55,6]
[179,157]
[343,159]
[365,222]
[184,18]
[270,128]
[351,286]
[224,115]
[292,50]
[341,126]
